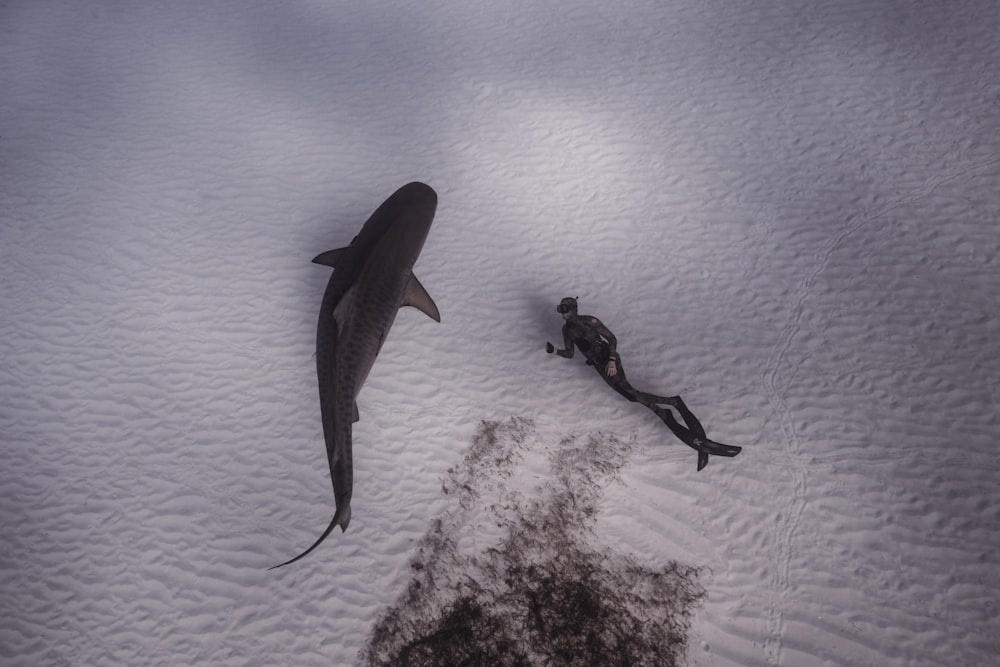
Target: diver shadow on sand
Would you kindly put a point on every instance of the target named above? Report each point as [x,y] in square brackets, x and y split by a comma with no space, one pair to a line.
[514,574]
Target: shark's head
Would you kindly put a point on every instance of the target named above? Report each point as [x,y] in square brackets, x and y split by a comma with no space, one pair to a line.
[404,220]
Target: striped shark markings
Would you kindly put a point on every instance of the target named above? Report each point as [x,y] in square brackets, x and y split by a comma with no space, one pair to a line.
[372,279]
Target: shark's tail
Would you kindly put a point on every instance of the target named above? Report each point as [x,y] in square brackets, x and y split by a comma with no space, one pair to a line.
[341,518]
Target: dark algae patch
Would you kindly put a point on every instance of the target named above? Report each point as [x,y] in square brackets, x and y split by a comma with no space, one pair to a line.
[539,589]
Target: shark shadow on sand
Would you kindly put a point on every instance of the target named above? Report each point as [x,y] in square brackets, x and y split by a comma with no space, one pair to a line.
[510,578]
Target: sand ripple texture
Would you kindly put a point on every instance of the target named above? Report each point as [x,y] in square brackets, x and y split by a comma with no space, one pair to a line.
[788,213]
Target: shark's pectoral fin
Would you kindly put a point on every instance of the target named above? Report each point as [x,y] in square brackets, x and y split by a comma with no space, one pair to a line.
[329,258]
[355,417]
[416,296]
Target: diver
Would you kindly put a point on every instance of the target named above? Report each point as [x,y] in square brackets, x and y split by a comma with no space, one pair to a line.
[599,346]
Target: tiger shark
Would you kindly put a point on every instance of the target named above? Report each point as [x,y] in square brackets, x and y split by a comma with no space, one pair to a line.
[372,279]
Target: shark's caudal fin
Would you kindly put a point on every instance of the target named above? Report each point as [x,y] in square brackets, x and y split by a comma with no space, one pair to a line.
[341,518]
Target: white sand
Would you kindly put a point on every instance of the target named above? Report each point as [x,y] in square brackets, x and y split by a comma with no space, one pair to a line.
[787,212]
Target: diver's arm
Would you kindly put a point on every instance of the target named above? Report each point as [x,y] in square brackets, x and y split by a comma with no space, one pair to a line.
[566,352]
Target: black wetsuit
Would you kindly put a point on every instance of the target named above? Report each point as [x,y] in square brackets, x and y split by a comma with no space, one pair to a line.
[599,346]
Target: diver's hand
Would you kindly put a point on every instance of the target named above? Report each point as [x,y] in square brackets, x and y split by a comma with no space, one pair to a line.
[549,347]
[612,369]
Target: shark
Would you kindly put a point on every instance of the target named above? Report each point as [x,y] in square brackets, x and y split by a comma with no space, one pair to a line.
[372,279]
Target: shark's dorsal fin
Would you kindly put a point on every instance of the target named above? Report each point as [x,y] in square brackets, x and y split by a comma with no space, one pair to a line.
[329,258]
[415,295]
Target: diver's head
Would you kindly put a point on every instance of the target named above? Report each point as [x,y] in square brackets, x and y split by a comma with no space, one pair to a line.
[567,307]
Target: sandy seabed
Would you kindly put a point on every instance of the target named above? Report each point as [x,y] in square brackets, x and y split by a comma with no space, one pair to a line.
[788,215]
